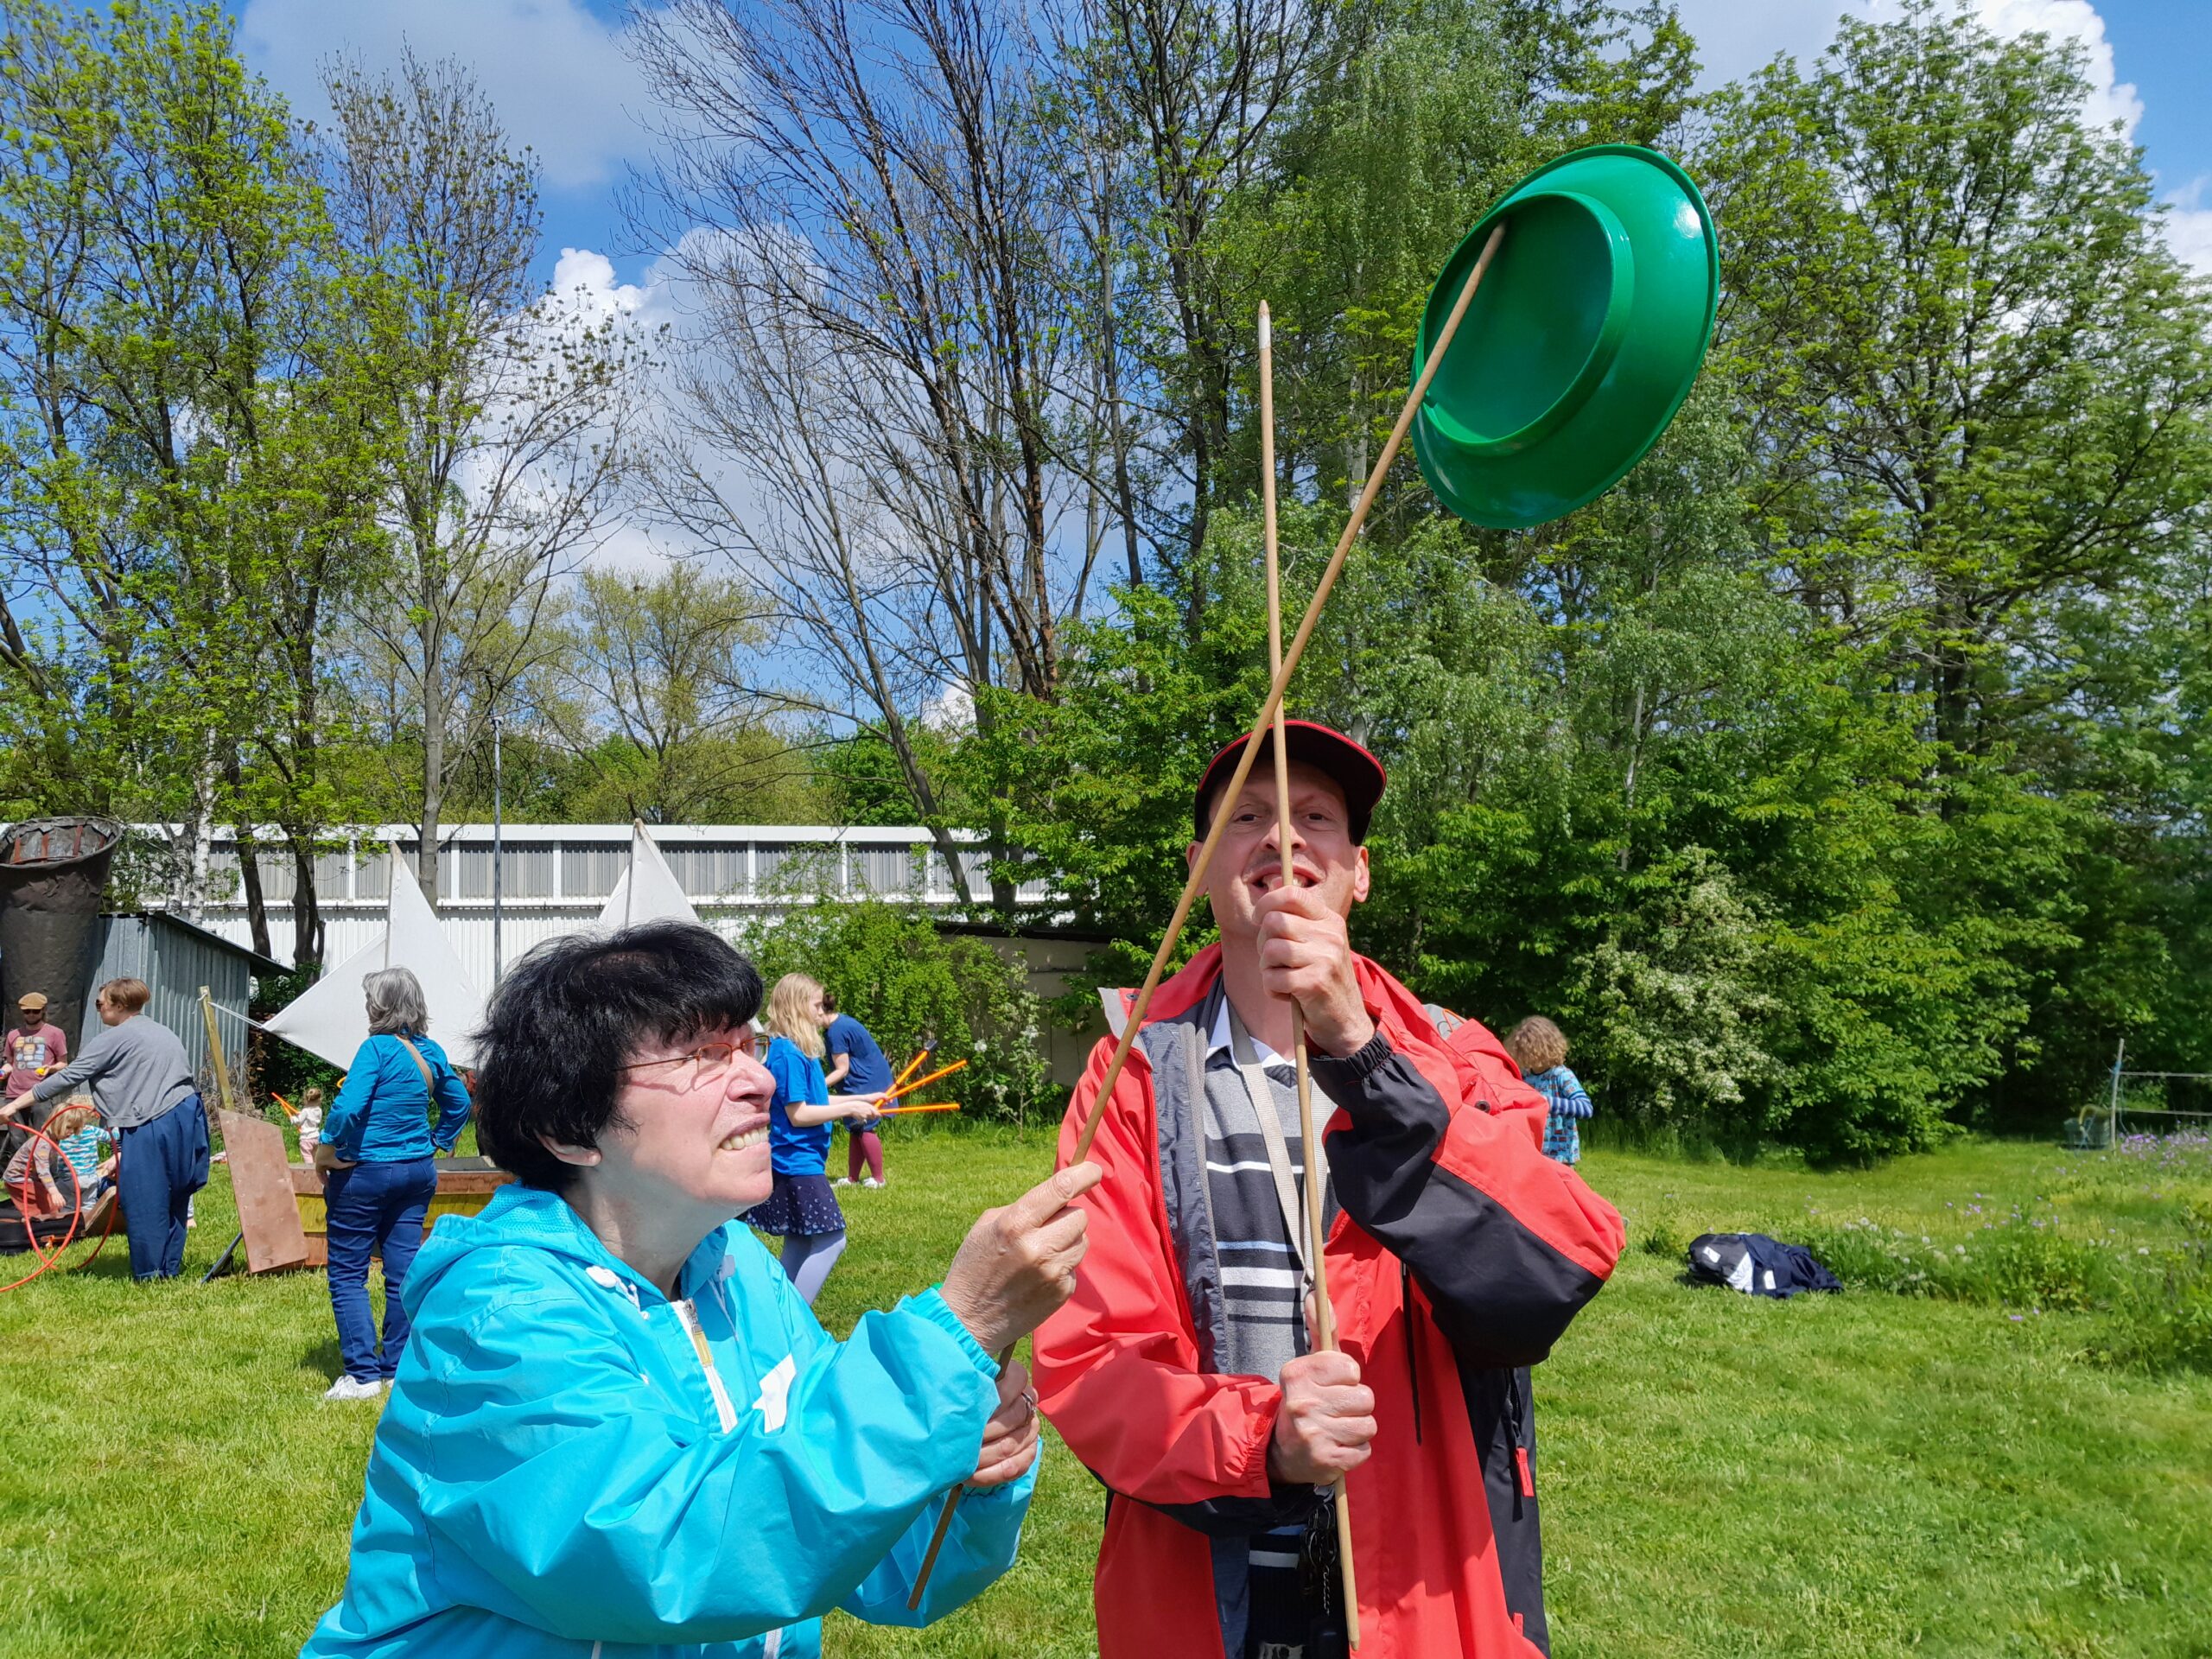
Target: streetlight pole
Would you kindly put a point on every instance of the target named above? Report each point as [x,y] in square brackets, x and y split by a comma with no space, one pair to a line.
[499,852]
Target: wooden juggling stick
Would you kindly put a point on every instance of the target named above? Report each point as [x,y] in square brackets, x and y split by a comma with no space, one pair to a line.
[1324,1323]
[1204,860]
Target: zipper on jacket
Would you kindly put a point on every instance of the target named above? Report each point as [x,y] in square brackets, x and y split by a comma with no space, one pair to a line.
[1413,1352]
[1525,1483]
[689,1318]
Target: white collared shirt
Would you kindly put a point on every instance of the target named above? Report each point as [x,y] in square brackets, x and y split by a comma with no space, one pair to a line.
[1219,1040]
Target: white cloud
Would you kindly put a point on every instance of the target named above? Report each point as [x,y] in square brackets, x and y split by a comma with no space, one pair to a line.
[586,293]
[950,710]
[556,73]
[661,316]
[1736,36]
[2189,223]
[634,549]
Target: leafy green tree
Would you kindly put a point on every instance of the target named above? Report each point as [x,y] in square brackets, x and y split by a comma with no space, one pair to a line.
[1674,1000]
[182,432]
[653,683]
[509,422]
[1434,108]
[1978,378]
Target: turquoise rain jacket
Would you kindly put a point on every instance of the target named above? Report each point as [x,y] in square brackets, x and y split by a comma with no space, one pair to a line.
[571,1464]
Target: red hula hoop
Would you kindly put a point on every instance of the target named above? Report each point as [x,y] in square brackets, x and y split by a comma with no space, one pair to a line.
[76,1215]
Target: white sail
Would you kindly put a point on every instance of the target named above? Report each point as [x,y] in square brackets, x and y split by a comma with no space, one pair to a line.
[648,891]
[330,1019]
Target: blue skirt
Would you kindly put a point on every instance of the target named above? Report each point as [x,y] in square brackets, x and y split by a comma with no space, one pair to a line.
[800,1204]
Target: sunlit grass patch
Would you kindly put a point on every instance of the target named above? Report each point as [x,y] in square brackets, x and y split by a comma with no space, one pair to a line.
[1865,1474]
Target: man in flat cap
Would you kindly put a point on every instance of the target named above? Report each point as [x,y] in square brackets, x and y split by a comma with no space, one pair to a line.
[34,1048]
[1179,1373]
[31,1050]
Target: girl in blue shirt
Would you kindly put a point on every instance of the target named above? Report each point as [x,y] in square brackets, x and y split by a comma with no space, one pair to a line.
[802,1209]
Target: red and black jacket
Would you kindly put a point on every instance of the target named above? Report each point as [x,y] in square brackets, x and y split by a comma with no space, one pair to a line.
[1457,1257]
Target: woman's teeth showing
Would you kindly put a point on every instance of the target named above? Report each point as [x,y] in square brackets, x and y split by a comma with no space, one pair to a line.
[745,1138]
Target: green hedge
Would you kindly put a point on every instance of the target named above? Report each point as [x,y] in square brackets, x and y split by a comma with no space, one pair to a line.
[908,985]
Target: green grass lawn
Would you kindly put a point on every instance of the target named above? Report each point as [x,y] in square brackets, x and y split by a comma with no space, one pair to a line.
[1864,1474]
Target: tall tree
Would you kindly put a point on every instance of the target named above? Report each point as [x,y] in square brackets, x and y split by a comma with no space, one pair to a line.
[511,417]
[880,276]
[651,682]
[163,250]
[1198,85]
[1979,380]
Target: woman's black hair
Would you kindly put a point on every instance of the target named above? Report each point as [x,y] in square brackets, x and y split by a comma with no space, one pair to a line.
[572,1013]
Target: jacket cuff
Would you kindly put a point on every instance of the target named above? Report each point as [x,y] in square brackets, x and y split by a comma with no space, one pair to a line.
[1255,1477]
[932,1305]
[1354,1069]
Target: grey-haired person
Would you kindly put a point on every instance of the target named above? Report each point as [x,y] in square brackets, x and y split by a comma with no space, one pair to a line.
[402,1101]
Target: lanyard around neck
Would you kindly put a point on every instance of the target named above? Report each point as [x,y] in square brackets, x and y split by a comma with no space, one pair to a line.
[1263,1095]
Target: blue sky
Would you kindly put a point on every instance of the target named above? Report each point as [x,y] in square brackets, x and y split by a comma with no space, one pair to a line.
[556,71]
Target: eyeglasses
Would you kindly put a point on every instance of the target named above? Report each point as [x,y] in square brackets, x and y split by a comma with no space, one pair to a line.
[714,1059]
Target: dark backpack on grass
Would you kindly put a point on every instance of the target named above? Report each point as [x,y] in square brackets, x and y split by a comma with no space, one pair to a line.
[1757,1265]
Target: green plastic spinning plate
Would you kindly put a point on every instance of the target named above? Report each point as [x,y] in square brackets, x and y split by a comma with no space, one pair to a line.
[1581,343]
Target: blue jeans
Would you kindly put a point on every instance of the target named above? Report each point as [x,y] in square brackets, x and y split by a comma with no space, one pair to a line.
[164,1164]
[380,1207]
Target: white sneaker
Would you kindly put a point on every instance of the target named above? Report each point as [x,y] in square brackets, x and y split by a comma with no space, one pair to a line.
[348,1388]
[842,1180]
[871,1181]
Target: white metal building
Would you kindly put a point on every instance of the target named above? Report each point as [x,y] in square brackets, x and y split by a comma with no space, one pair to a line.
[554,879]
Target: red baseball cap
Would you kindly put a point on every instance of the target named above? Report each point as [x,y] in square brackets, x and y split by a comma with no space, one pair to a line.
[1358,773]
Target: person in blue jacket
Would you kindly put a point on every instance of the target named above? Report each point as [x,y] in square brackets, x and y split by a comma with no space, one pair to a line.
[617,1431]
[378,1177]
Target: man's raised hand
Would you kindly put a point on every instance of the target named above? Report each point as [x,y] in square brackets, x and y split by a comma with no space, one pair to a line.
[1017,1265]
[1326,1423]
[1306,954]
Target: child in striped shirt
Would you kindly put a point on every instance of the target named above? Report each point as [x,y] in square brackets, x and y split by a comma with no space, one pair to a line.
[1539,1048]
[68,1168]
[88,1146]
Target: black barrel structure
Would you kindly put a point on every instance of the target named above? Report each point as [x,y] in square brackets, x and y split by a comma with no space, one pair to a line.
[53,878]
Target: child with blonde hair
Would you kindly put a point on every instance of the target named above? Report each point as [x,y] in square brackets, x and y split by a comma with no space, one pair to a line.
[309,1123]
[68,1169]
[801,1207]
[1539,1048]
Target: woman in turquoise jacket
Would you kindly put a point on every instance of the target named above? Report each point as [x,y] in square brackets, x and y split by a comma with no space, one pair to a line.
[616,1430]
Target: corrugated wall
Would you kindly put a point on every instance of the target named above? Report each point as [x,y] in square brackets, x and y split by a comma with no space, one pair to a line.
[175,962]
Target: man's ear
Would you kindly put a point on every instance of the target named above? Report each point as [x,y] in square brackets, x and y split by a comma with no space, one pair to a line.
[1361,879]
[1190,856]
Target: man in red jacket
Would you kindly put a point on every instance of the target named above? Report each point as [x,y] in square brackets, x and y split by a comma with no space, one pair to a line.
[1456,1254]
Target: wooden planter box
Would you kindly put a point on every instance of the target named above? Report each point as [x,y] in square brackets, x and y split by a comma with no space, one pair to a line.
[282,1221]
[465,1185]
